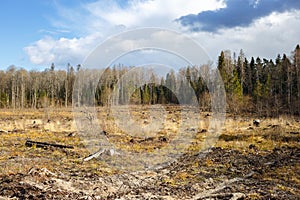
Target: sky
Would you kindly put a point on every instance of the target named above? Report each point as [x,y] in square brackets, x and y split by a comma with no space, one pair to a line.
[36,33]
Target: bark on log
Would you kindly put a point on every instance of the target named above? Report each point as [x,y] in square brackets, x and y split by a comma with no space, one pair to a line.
[30,143]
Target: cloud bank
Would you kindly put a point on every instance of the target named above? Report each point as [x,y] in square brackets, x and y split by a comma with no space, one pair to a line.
[237,13]
[96,21]
[261,27]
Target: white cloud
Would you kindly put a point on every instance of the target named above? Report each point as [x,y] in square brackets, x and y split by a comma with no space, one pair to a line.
[275,34]
[62,50]
[149,13]
[94,22]
[104,18]
[162,42]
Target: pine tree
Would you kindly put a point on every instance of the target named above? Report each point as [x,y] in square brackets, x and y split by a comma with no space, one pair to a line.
[287,75]
[221,67]
[297,77]
[247,86]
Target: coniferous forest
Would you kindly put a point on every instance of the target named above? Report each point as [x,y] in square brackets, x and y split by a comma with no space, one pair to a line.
[260,86]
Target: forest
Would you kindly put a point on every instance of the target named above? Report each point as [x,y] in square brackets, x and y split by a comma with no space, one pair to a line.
[260,86]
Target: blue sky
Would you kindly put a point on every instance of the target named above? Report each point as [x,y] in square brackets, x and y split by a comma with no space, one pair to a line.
[19,27]
[22,23]
[35,33]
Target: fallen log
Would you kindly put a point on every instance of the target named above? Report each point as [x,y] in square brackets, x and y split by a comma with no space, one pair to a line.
[30,143]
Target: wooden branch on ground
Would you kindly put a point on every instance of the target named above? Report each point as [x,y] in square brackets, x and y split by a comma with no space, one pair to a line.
[94,155]
[230,196]
[109,152]
[211,192]
[30,143]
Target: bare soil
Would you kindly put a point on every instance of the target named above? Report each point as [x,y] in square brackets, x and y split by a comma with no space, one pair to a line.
[247,162]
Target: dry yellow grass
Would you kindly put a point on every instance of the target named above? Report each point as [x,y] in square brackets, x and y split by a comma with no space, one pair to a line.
[236,134]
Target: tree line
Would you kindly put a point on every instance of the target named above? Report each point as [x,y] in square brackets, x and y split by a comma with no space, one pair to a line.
[266,87]
[20,88]
[261,86]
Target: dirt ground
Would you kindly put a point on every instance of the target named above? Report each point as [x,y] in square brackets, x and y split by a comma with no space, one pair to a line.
[246,162]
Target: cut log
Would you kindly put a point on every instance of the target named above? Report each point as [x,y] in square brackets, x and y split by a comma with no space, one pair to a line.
[256,122]
[30,143]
